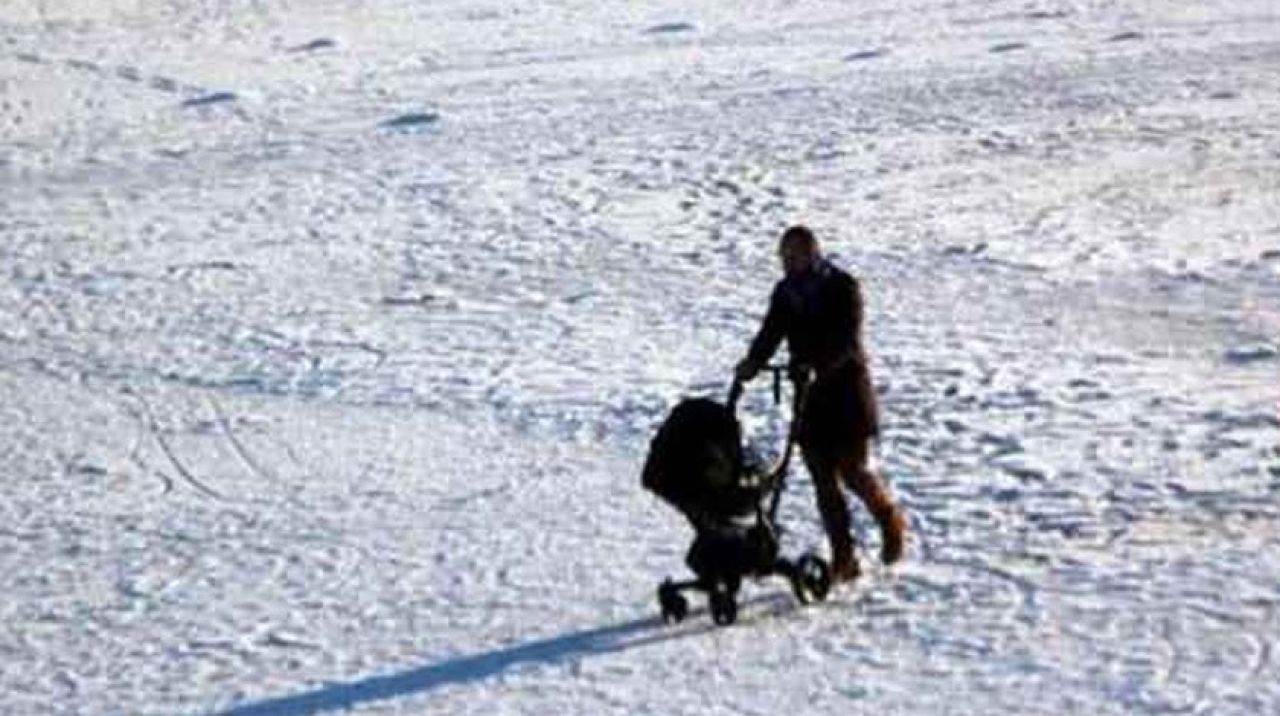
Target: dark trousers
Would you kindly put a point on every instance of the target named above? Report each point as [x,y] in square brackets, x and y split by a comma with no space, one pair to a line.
[832,471]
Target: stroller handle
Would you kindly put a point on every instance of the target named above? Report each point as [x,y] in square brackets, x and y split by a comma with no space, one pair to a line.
[736,388]
[735,394]
[778,473]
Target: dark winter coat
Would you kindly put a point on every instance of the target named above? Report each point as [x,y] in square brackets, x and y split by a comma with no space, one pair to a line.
[820,315]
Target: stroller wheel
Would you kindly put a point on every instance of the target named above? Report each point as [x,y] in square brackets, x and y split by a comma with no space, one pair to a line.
[724,605]
[673,604]
[811,580]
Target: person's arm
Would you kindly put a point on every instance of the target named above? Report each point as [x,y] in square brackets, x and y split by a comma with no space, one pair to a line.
[767,339]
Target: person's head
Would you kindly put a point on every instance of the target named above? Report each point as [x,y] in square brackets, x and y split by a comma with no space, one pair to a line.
[798,250]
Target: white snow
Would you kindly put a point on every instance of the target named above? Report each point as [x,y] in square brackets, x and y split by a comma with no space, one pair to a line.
[334,335]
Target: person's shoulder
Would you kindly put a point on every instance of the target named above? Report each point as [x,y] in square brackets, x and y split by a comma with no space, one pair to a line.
[839,274]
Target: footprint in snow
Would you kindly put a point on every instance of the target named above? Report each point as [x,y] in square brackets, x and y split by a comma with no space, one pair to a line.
[670,28]
[210,99]
[164,84]
[412,120]
[1252,353]
[1021,468]
[1007,47]
[320,43]
[865,55]
[1240,421]
[84,65]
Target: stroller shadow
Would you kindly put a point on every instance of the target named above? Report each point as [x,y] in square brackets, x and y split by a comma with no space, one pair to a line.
[589,642]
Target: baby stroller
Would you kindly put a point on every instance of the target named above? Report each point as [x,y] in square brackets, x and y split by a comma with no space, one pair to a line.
[696,463]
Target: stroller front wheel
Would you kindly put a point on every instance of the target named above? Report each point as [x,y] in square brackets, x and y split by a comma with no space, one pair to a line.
[811,579]
[673,604]
[724,605]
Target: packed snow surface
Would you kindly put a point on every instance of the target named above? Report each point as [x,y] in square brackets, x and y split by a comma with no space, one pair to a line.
[333,335]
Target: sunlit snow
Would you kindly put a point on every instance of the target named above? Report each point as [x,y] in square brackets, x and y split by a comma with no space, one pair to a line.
[334,335]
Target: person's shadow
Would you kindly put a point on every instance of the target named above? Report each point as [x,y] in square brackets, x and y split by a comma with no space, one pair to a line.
[462,670]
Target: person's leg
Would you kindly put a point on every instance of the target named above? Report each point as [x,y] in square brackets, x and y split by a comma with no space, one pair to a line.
[870,488]
[835,514]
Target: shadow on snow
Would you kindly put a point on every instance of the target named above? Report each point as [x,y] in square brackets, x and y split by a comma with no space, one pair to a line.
[422,680]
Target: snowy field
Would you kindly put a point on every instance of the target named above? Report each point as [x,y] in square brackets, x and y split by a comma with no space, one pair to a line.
[333,333]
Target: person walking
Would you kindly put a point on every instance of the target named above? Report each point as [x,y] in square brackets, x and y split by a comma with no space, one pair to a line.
[818,309]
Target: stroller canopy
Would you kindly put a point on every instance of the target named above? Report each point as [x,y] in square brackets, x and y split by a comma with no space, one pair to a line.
[695,462]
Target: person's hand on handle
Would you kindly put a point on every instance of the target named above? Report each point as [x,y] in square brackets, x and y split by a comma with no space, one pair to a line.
[746,369]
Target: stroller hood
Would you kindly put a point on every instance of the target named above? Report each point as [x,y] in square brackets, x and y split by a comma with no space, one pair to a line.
[695,461]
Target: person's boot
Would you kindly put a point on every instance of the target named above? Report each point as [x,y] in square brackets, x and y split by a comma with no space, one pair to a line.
[836,523]
[844,563]
[893,533]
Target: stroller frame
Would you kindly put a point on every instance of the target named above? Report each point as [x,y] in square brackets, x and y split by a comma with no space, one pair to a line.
[725,551]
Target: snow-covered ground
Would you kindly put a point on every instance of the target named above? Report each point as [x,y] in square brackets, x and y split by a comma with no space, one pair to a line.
[334,334]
